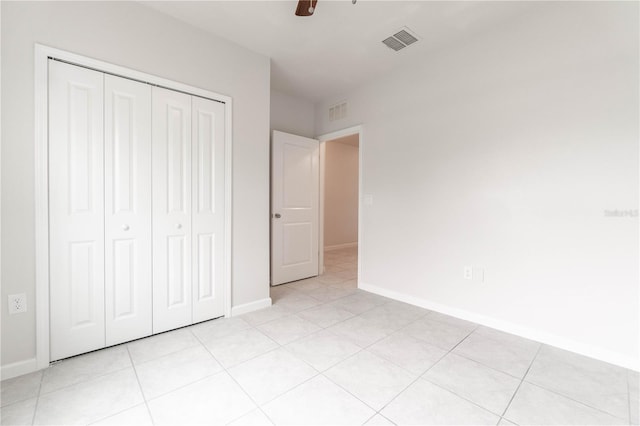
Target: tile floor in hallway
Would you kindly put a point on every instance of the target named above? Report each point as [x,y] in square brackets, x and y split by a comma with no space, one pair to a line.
[326,353]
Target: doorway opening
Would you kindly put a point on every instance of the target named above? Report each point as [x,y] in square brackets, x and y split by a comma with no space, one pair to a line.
[339,226]
[339,207]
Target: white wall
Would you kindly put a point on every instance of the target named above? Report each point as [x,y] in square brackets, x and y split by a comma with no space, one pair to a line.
[291,114]
[140,38]
[503,152]
[341,191]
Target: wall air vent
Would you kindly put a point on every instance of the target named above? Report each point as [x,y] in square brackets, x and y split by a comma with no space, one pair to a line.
[401,39]
[338,111]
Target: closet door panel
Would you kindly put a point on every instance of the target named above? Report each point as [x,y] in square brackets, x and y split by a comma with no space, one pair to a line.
[76,210]
[208,208]
[171,152]
[128,288]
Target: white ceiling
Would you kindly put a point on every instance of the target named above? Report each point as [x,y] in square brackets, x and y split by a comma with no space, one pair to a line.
[339,47]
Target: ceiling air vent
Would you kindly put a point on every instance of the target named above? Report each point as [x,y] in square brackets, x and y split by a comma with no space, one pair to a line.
[393,43]
[405,37]
[400,39]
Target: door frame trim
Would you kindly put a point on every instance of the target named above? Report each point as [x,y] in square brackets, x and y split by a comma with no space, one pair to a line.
[359,130]
[41,124]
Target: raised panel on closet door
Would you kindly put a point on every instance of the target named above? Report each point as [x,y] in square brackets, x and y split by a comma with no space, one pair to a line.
[171,152]
[128,292]
[208,208]
[76,210]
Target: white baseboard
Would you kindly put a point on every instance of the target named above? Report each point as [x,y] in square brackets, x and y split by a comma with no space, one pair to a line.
[340,246]
[509,327]
[19,368]
[250,307]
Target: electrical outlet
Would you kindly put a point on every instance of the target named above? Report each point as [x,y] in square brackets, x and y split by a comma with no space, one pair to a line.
[17,303]
[468,272]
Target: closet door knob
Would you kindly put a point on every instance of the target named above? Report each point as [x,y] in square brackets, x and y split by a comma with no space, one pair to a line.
[179,226]
[125,227]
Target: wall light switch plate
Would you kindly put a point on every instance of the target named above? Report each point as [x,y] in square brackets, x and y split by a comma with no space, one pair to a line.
[17,303]
[478,274]
[367,199]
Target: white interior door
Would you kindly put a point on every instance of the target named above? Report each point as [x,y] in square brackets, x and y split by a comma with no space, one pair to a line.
[207,208]
[294,203]
[128,291]
[172,296]
[76,210]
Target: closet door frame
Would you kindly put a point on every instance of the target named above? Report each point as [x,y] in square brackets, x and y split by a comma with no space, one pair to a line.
[42,55]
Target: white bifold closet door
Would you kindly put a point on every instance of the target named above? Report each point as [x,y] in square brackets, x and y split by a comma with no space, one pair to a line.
[127,162]
[171,209]
[76,210]
[136,209]
[188,206]
[208,208]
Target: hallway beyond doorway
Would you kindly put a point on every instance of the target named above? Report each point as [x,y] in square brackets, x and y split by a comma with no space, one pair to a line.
[339,279]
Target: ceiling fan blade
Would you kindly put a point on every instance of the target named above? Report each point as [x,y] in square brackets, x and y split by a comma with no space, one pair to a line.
[306,7]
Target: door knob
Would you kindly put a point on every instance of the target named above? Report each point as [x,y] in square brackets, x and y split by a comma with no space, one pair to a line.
[179,226]
[125,227]
[277,215]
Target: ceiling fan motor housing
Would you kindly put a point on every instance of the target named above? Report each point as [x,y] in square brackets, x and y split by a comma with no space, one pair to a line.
[306,7]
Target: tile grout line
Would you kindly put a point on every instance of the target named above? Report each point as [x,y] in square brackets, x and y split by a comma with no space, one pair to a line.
[399,331]
[449,390]
[521,382]
[574,400]
[381,415]
[106,374]
[456,394]
[425,372]
[144,397]
[463,397]
[253,357]
[629,397]
[321,304]
[488,366]
[363,348]
[287,391]
[369,419]
[35,408]
[164,333]
[170,354]
[350,393]
[291,312]
[560,393]
[234,379]
[84,381]
[501,342]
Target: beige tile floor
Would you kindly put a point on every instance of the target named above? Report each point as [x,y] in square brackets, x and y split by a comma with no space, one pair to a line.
[326,353]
